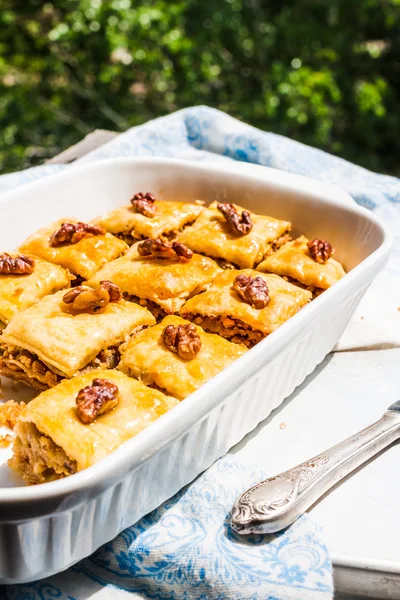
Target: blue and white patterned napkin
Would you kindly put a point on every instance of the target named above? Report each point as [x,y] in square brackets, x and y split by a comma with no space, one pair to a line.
[185,549]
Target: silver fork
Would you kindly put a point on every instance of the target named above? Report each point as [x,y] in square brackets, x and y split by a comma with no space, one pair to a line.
[275,503]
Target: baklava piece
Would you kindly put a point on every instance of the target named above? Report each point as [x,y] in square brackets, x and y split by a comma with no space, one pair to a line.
[304,262]
[245,306]
[147,217]
[24,280]
[235,236]
[159,275]
[177,357]
[80,421]
[66,333]
[83,248]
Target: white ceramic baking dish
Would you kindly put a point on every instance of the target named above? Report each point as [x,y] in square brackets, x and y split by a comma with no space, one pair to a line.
[45,529]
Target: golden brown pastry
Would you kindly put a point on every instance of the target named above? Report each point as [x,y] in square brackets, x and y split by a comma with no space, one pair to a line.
[226,308]
[19,291]
[83,258]
[212,235]
[130,225]
[162,285]
[293,260]
[50,340]
[52,441]
[149,358]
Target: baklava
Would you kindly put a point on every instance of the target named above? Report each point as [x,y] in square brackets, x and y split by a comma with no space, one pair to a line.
[24,280]
[147,217]
[161,284]
[177,357]
[234,236]
[81,248]
[52,441]
[55,339]
[245,306]
[309,264]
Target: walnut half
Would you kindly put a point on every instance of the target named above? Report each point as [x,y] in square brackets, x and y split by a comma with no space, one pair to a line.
[252,290]
[238,223]
[183,340]
[164,250]
[72,233]
[144,204]
[96,399]
[20,265]
[320,251]
[92,301]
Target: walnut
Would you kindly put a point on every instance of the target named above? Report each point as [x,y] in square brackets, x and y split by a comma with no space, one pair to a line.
[144,204]
[183,340]
[20,265]
[112,289]
[181,250]
[72,233]
[320,250]
[164,250]
[90,300]
[239,224]
[96,399]
[252,290]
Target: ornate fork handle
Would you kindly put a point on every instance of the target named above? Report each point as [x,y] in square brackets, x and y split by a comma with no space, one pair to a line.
[276,502]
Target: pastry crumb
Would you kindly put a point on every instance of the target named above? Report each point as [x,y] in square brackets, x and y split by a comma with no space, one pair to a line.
[361,318]
[10,412]
[283,425]
[6,440]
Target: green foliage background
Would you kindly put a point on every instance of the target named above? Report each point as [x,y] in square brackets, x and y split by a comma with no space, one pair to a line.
[325,72]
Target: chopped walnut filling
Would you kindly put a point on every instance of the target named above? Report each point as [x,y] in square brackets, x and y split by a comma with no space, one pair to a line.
[20,265]
[37,458]
[72,233]
[232,329]
[21,365]
[252,290]
[144,204]
[320,251]
[96,399]
[10,412]
[156,310]
[92,300]
[183,340]
[164,250]
[241,224]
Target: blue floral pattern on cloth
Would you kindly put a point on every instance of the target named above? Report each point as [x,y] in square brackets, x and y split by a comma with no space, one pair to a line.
[185,550]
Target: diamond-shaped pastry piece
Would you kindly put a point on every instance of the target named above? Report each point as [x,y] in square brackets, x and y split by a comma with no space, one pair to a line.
[83,259]
[222,310]
[212,236]
[148,359]
[294,260]
[159,283]
[169,218]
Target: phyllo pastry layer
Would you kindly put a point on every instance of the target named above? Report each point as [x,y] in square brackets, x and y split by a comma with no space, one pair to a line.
[19,291]
[82,258]
[266,302]
[53,442]
[158,282]
[295,261]
[151,359]
[168,219]
[50,340]
[213,236]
